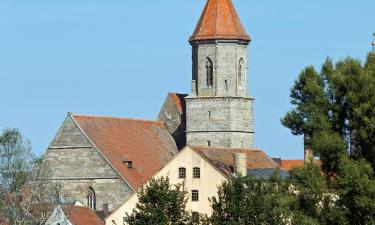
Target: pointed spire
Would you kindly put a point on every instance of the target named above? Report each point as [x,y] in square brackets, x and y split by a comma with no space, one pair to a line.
[219,21]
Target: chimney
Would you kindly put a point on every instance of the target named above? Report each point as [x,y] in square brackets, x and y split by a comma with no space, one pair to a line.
[105,210]
[240,164]
[308,153]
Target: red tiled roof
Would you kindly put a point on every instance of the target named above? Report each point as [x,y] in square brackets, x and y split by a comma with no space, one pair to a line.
[178,100]
[219,20]
[81,215]
[222,158]
[288,165]
[147,144]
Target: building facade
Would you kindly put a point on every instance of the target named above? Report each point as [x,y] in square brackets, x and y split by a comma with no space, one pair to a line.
[104,161]
[219,111]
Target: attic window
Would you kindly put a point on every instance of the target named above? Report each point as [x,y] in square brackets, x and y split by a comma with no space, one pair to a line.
[128,163]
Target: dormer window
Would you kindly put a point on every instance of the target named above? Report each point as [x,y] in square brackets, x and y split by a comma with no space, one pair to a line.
[128,163]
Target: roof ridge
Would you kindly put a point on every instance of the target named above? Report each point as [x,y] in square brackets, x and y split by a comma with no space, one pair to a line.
[116,118]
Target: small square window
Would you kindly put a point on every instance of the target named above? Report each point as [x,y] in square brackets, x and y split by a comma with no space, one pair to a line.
[182,173]
[196,173]
[194,196]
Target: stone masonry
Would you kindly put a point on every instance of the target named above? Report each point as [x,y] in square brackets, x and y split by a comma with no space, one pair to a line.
[221,114]
[77,166]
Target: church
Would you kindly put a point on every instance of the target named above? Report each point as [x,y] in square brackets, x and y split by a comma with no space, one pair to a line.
[201,138]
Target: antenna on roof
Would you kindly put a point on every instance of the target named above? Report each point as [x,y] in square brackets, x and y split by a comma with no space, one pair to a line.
[373,42]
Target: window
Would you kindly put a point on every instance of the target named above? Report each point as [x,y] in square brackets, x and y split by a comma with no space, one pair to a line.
[196,173]
[226,85]
[195,217]
[182,173]
[209,114]
[209,143]
[194,195]
[209,72]
[240,67]
[91,199]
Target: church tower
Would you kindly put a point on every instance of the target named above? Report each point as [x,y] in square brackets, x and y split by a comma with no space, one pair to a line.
[219,111]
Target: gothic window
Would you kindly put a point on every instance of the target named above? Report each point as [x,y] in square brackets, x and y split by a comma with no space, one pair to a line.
[194,195]
[209,72]
[91,199]
[181,173]
[196,172]
[240,67]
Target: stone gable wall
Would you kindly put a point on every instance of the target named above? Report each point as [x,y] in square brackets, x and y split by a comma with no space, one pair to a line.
[77,169]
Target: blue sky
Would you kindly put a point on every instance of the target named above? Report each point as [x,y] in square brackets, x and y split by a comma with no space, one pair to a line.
[120,58]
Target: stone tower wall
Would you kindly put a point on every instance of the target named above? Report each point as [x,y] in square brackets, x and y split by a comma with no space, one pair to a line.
[220,121]
[225,57]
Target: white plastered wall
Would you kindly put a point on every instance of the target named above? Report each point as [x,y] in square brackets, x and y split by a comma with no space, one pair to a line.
[207,184]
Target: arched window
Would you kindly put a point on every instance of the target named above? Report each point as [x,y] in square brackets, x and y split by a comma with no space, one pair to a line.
[240,67]
[196,172]
[209,72]
[91,199]
[181,173]
[194,195]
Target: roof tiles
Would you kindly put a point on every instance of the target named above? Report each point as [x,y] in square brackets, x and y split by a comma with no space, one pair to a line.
[288,165]
[147,144]
[81,215]
[222,158]
[219,21]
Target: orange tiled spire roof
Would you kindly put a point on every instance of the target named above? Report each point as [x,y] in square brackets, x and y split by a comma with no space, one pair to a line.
[219,21]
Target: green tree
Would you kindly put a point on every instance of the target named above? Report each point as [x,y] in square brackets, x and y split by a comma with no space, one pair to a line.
[160,203]
[338,102]
[313,203]
[357,191]
[25,182]
[244,201]
[15,160]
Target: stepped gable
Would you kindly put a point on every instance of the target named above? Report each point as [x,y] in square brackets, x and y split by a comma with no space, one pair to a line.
[219,21]
[146,144]
[222,158]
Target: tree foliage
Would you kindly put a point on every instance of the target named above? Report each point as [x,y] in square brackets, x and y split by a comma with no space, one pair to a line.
[337,102]
[160,203]
[25,185]
[357,191]
[245,201]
